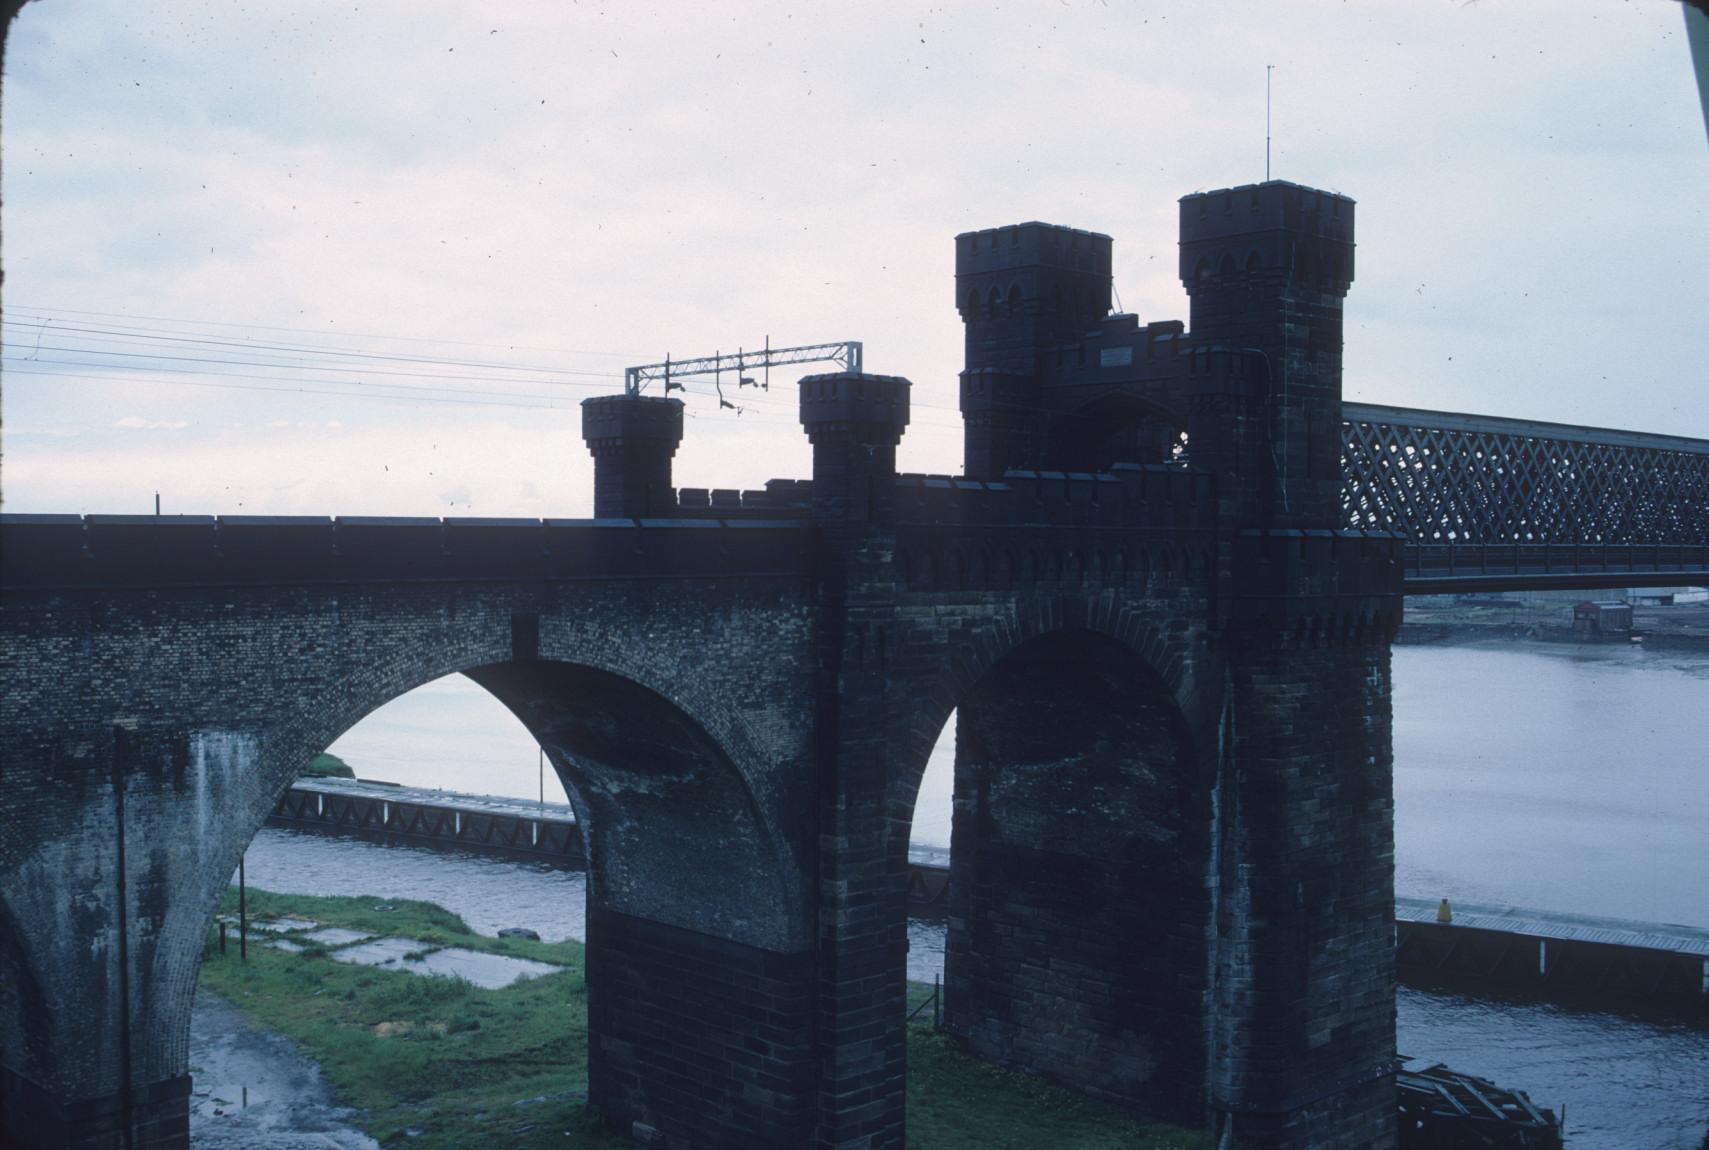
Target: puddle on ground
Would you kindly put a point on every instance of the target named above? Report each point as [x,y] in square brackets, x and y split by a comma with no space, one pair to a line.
[337,936]
[275,925]
[286,945]
[487,971]
[253,1089]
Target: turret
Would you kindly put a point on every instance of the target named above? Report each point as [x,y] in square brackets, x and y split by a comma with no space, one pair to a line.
[632,439]
[1020,289]
[1266,267]
[854,421]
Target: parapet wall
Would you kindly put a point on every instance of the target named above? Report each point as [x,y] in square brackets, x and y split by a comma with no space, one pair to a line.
[57,552]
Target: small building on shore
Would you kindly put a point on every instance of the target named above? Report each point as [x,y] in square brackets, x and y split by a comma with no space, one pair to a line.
[1666,596]
[1602,620]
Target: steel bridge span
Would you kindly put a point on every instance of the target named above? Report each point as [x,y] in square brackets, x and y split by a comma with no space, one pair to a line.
[1485,503]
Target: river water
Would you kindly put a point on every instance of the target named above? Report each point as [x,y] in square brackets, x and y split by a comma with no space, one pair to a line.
[1569,778]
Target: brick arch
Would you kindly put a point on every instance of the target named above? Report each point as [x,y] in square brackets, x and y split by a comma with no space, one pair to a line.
[1063,709]
[770,889]
[962,665]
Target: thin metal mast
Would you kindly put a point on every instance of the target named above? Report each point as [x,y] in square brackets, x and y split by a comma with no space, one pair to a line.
[1268,68]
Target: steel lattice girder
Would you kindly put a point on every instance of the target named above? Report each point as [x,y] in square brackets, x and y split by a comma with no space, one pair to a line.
[1443,478]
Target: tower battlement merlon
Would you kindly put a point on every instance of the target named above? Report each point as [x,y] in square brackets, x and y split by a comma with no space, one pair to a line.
[1033,243]
[1277,229]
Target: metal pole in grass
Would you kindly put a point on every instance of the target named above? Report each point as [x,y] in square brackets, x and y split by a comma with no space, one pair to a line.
[242,912]
[937,1001]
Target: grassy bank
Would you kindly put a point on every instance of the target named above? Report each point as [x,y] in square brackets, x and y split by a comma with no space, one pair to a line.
[437,1063]
[325,766]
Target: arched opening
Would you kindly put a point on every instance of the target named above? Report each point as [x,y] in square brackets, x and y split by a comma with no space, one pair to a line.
[1080,858]
[681,869]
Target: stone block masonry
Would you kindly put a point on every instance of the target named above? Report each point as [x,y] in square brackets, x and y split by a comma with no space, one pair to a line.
[1171,861]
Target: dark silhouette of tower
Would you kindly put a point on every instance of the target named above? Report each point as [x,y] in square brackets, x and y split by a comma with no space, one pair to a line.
[1054,381]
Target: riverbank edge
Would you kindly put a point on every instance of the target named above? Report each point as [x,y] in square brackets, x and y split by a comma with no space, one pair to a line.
[1486,622]
[955,1101]
[1455,634]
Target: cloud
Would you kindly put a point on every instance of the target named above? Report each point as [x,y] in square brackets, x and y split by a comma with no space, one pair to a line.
[138,423]
[540,196]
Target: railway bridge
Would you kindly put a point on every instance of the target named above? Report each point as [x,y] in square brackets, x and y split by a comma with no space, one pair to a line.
[1159,604]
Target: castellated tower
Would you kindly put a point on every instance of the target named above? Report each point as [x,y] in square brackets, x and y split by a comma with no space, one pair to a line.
[1267,267]
[1020,290]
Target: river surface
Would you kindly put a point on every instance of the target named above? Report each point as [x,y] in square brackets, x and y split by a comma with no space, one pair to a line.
[1550,776]
[1569,778]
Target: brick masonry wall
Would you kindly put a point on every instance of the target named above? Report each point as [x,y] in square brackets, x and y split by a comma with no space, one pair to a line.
[1305,1037]
[209,702]
[1079,897]
[772,730]
[704,1041]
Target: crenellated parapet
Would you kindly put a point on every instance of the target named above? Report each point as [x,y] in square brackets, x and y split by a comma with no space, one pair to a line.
[632,439]
[1276,232]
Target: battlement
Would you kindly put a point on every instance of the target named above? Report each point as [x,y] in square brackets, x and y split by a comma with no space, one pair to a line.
[1261,207]
[1032,244]
[849,399]
[1280,228]
[613,419]
[779,497]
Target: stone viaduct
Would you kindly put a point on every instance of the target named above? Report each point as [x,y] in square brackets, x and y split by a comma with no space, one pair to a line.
[1172,849]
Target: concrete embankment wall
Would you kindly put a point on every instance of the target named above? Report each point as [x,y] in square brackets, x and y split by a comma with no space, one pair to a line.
[409,817]
[1559,956]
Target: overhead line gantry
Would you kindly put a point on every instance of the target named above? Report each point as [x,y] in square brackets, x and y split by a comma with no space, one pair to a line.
[672,371]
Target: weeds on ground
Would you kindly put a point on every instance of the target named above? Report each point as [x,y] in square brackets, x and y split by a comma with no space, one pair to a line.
[435,1063]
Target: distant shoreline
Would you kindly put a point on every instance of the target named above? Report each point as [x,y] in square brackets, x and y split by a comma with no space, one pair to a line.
[1491,622]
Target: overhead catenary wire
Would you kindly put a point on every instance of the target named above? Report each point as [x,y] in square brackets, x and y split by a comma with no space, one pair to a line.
[55,311]
[111,334]
[281,367]
[216,360]
[227,385]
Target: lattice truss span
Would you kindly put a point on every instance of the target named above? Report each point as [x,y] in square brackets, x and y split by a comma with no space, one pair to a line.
[1443,478]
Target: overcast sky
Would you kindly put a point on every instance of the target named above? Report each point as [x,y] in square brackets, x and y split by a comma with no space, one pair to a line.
[229,231]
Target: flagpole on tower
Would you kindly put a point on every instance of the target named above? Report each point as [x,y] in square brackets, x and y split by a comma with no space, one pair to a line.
[1268,68]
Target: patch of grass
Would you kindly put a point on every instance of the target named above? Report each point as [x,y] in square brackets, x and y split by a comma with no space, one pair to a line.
[327,766]
[463,1067]
[956,1102]
[459,1064]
